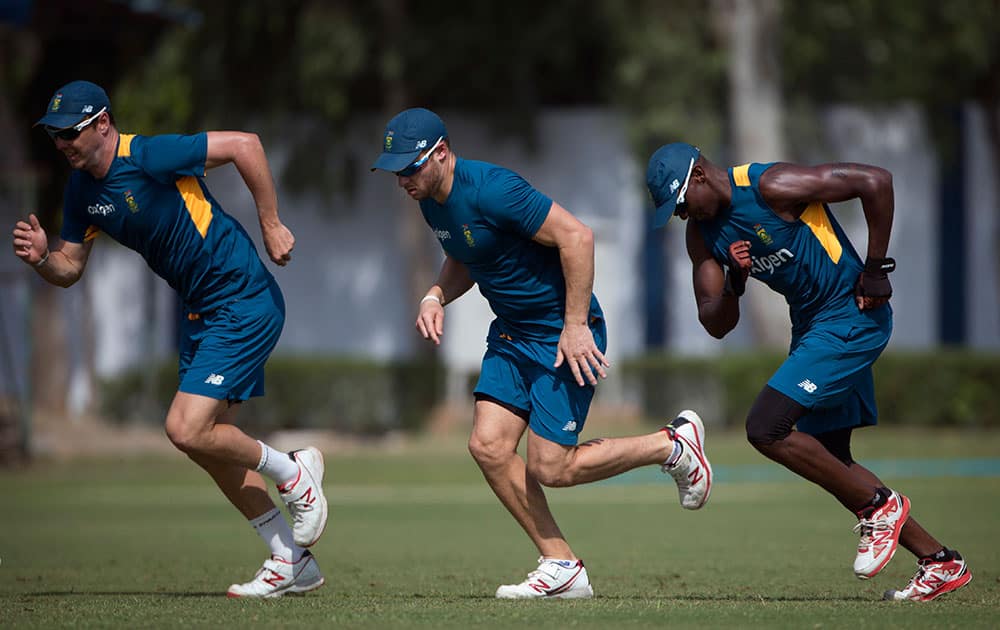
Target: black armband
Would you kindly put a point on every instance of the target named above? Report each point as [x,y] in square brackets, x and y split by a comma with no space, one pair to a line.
[880,265]
[735,284]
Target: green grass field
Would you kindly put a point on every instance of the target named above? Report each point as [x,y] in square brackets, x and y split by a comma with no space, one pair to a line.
[416,539]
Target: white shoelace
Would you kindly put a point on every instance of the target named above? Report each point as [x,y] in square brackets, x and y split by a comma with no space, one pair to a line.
[866,527]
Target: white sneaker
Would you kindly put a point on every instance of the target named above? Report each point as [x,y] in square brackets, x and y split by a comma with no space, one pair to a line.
[933,579]
[691,471]
[553,579]
[880,535]
[278,577]
[304,498]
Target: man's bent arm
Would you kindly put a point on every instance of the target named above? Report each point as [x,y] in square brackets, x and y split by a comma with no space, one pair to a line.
[452,282]
[576,252]
[793,188]
[718,312]
[245,151]
[65,264]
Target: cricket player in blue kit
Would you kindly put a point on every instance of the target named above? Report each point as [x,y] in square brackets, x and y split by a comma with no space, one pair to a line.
[772,222]
[533,261]
[147,193]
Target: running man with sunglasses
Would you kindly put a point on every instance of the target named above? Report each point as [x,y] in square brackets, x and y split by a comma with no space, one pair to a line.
[534,263]
[772,222]
[147,193]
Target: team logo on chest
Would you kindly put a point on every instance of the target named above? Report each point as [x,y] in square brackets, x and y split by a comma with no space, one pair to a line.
[130,202]
[471,242]
[762,234]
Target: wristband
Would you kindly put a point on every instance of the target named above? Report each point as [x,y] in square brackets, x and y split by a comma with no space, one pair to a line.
[880,265]
[735,284]
[45,258]
[432,297]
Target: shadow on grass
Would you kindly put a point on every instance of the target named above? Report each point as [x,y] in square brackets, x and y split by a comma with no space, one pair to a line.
[639,597]
[121,594]
[764,599]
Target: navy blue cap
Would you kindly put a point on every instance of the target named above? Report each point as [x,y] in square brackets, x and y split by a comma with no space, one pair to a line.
[667,175]
[409,133]
[74,102]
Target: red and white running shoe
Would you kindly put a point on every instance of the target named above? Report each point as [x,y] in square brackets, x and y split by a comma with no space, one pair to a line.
[933,579]
[278,577]
[691,471]
[880,535]
[553,579]
[304,497]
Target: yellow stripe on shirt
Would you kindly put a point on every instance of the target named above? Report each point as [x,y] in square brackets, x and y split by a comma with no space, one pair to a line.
[197,205]
[125,145]
[741,175]
[819,222]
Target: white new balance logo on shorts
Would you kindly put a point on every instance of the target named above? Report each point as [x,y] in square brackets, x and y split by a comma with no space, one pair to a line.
[808,385]
[215,379]
[570,426]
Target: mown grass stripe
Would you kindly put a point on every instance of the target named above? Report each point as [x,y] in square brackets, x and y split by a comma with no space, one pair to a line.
[885,468]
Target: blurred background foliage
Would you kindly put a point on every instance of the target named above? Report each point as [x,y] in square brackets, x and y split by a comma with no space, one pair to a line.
[229,63]
[664,63]
[363,397]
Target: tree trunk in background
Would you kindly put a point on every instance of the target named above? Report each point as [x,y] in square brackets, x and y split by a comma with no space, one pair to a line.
[413,234]
[51,351]
[990,103]
[752,30]
[14,193]
[50,356]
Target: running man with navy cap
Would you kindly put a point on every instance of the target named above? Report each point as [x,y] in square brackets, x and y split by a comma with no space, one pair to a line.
[533,261]
[147,193]
[772,222]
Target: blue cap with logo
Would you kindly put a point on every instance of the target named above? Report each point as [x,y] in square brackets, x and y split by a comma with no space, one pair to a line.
[74,102]
[406,136]
[667,178]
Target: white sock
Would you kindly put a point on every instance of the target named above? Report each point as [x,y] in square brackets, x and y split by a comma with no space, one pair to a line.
[273,529]
[277,466]
[674,454]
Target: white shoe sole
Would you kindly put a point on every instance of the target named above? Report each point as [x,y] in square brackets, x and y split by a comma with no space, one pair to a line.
[576,593]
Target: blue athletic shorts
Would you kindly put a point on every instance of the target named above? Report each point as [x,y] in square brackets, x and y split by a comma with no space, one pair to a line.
[519,373]
[222,353]
[829,371]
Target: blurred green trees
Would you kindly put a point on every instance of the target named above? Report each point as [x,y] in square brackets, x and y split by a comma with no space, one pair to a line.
[184,65]
[663,63]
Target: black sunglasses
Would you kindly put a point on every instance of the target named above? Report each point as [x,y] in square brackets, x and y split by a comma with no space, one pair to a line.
[72,133]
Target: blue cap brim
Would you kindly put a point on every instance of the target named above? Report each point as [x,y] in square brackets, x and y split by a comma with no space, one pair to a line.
[664,212]
[395,161]
[59,121]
